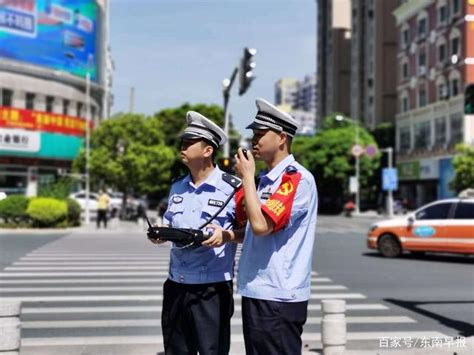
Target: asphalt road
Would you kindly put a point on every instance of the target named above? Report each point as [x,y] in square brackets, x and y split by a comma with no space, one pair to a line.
[91,292]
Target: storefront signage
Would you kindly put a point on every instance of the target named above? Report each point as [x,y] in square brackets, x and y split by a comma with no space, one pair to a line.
[42,121]
[409,170]
[19,140]
[429,169]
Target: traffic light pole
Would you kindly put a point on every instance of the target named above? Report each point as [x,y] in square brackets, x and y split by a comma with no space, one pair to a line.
[227,84]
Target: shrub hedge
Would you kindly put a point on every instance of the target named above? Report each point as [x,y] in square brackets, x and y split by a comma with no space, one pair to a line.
[13,209]
[48,212]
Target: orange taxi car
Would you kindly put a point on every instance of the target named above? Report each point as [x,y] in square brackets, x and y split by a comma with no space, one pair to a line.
[442,226]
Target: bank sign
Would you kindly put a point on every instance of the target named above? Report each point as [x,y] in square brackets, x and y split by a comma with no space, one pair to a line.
[38,134]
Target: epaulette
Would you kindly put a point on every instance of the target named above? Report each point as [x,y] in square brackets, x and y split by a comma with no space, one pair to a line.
[290,169]
[178,178]
[232,180]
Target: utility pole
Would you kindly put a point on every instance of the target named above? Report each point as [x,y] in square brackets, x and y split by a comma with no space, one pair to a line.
[389,202]
[131,104]
[226,86]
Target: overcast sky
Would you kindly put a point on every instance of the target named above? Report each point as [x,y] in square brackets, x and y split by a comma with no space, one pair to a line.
[176,51]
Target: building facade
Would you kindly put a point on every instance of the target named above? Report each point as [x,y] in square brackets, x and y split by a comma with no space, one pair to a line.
[333,58]
[435,65]
[298,97]
[373,58]
[52,83]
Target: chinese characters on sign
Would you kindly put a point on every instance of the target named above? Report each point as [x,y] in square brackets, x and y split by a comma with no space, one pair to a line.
[19,140]
[42,121]
[422,342]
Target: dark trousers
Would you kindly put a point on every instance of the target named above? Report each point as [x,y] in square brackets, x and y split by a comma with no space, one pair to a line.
[196,318]
[102,216]
[272,327]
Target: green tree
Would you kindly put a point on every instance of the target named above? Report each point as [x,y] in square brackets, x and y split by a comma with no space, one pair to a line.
[328,156]
[128,153]
[463,164]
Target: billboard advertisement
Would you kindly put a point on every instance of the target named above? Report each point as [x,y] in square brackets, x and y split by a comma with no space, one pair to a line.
[56,34]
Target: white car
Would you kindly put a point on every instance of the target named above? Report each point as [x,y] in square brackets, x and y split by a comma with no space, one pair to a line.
[80,197]
[2,195]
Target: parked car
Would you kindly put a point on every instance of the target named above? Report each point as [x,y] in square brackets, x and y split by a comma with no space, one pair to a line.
[2,195]
[441,226]
[80,197]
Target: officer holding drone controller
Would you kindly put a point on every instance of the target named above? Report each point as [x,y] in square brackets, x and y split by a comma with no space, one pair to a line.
[198,294]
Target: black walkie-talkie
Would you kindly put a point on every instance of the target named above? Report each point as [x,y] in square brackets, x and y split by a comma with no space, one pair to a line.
[244,152]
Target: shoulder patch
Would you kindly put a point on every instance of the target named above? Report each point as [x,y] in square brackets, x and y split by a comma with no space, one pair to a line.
[290,169]
[178,178]
[232,180]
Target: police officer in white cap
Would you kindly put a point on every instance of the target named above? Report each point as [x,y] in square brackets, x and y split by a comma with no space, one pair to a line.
[274,275]
[198,294]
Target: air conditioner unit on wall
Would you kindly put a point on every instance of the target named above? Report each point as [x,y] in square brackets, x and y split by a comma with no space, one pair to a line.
[422,70]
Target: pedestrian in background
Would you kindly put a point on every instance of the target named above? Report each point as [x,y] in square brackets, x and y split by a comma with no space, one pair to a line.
[198,294]
[275,266]
[102,208]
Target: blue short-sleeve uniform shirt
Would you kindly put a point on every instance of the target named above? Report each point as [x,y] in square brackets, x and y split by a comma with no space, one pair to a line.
[277,267]
[190,206]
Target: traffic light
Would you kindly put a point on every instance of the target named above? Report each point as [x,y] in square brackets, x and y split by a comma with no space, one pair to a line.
[225,164]
[469,100]
[247,65]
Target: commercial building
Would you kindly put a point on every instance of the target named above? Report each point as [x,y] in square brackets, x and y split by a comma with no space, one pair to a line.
[373,59]
[333,58]
[52,54]
[435,65]
[298,97]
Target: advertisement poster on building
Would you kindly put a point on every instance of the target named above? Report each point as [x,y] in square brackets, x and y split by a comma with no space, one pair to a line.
[56,34]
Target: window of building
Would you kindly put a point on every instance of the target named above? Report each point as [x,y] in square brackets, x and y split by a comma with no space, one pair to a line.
[441,53]
[422,99]
[422,59]
[438,211]
[422,135]
[404,138]
[455,45]
[440,131]
[456,129]
[66,104]
[93,112]
[454,87]
[405,70]
[455,6]
[49,103]
[442,91]
[79,109]
[422,28]
[405,37]
[7,97]
[405,104]
[442,14]
[30,101]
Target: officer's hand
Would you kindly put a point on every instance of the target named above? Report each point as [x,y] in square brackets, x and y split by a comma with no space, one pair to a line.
[244,166]
[152,238]
[217,238]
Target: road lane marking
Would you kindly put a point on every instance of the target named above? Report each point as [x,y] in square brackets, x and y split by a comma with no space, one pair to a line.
[235,338]
[126,323]
[85,268]
[110,280]
[146,309]
[90,298]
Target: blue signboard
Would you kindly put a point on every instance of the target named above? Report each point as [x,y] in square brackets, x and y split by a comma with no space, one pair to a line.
[389,179]
[56,34]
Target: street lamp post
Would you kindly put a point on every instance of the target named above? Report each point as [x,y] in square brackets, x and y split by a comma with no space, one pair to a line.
[341,118]
[87,217]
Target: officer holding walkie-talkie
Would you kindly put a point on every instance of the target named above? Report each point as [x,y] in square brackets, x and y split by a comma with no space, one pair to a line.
[198,295]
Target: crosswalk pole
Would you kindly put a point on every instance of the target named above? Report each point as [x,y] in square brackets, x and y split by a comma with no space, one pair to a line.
[333,327]
[10,327]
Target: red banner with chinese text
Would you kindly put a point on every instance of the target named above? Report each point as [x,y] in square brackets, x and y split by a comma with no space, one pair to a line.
[11,117]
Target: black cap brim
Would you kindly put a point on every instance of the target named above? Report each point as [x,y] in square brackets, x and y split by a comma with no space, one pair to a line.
[255,125]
